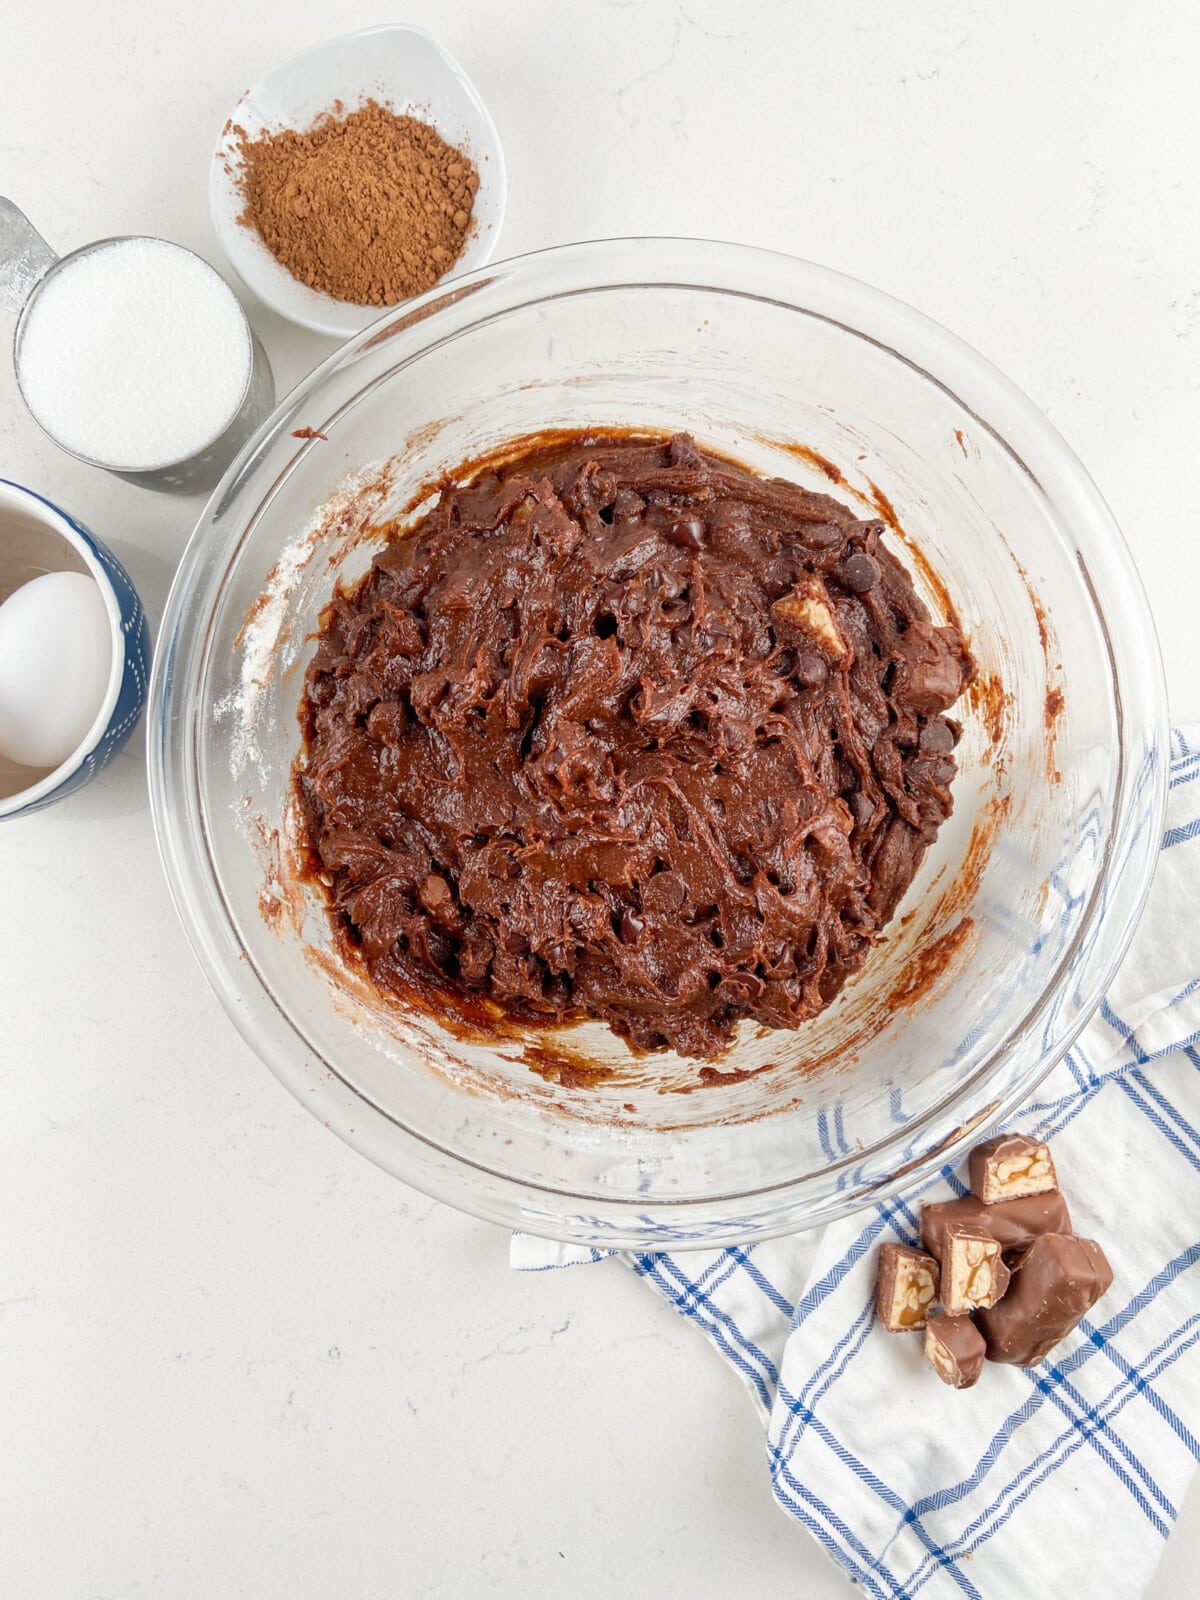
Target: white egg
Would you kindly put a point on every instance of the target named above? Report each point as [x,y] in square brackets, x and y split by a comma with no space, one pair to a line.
[55,661]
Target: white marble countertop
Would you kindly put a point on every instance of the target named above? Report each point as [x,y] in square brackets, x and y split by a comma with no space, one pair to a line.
[235,1359]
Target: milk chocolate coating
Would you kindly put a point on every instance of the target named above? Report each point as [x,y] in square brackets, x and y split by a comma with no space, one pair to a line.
[906,1287]
[956,1349]
[1015,1224]
[622,731]
[1054,1283]
[986,1161]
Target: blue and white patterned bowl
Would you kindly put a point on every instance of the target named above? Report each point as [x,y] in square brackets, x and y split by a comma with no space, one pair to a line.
[129,675]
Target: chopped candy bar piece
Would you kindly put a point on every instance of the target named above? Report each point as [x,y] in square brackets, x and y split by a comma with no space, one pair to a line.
[1054,1283]
[1009,1167]
[907,1287]
[973,1270]
[1014,1223]
[956,1349]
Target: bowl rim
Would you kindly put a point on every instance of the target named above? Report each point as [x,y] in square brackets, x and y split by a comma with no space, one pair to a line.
[814,1196]
[246,255]
[59,522]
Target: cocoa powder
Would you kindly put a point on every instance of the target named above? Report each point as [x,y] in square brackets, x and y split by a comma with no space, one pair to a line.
[367,206]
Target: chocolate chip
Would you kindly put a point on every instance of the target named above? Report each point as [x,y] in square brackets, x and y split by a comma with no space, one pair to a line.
[810,670]
[933,769]
[664,893]
[937,737]
[739,989]
[687,532]
[859,572]
[631,926]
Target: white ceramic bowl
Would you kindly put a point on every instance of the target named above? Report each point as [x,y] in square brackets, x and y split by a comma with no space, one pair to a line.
[403,67]
[37,536]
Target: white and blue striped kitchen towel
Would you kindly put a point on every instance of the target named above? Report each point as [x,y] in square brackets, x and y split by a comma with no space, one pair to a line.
[1057,1480]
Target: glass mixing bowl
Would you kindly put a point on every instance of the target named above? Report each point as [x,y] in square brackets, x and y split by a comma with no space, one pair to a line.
[1020,912]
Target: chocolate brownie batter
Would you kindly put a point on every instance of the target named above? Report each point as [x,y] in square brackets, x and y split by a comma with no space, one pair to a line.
[623,731]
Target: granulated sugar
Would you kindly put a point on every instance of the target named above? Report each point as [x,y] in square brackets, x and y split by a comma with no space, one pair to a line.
[135,355]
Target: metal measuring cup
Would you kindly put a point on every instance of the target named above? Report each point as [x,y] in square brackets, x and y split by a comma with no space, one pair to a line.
[27,263]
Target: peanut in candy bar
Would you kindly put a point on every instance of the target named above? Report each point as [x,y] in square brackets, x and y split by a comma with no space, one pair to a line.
[1010,1167]
[906,1288]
